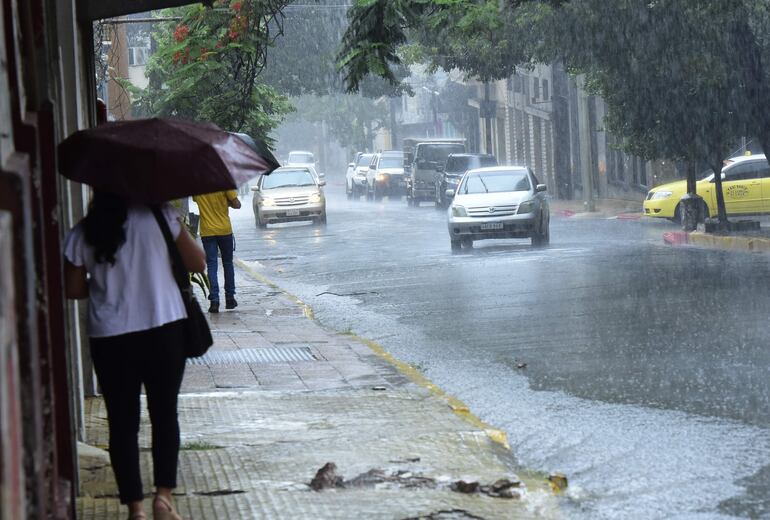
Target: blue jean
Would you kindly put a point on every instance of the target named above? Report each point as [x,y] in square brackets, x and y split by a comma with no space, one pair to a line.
[225,246]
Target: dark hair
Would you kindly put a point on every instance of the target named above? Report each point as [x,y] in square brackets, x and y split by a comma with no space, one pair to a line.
[103,225]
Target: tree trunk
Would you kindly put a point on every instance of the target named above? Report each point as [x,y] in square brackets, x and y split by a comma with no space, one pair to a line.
[716,165]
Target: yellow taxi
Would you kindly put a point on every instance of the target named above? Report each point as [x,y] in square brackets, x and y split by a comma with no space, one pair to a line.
[745,184]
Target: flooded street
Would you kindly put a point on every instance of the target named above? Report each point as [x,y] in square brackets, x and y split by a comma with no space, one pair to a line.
[637,369]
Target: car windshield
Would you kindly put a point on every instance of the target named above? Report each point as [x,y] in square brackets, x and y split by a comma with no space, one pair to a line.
[365,159]
[463,163]
[300,157]
[437,153]
[286,178]
[496,182]
[391,162]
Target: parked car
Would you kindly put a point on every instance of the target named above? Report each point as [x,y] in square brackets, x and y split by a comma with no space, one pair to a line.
[498,202]
[386,176]
[356,185]
[288,194]
[745,185]
[456,165]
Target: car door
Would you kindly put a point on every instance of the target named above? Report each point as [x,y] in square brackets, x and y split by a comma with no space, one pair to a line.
[764,179]
[742,189]
[371,173]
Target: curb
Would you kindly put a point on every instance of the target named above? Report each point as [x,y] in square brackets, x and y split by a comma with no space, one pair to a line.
[415,376]
[748,244]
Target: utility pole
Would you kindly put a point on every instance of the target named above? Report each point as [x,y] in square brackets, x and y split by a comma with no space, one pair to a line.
[393,129]
[586,159]
[488,114]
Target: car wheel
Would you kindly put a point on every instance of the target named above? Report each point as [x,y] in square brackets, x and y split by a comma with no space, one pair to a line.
[260,224]
[467,243]
[321,221]
[543,235]
[376,194]
[455,245]
[349,191]
[678,215]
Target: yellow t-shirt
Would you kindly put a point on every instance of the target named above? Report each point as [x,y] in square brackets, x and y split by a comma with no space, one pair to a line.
[215,217]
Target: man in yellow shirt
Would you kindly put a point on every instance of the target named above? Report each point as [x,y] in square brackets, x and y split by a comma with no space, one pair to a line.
[217,235]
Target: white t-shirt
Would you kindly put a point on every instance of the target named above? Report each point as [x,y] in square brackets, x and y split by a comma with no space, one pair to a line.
[138,292]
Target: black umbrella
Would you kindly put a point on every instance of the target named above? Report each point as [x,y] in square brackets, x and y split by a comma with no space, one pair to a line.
[155,160]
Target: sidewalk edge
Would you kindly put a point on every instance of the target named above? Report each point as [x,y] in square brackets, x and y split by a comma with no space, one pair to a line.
[415,376]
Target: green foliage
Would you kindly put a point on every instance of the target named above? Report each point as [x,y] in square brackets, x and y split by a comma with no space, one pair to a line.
[682,79]
[208,65]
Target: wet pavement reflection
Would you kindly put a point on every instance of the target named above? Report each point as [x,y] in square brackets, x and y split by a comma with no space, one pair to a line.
[639,369]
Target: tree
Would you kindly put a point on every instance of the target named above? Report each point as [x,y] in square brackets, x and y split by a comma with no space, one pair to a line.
[208,66]
[667,68]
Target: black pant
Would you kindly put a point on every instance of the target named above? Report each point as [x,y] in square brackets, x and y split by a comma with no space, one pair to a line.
[156,358]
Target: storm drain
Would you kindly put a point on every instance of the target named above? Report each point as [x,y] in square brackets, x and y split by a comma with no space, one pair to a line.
[255,355]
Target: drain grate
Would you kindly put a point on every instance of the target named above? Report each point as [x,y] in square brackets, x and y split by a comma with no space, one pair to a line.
[254,355]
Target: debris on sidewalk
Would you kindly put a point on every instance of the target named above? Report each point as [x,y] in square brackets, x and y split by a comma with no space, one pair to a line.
[326,478]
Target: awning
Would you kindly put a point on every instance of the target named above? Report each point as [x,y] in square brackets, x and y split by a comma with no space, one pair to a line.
[89,10]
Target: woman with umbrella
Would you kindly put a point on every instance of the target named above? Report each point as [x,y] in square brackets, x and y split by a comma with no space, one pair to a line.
[117,257]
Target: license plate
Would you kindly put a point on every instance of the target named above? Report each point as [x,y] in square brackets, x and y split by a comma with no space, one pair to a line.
[292,212]
[492,225]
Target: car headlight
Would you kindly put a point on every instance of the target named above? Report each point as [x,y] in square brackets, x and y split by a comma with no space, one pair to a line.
[661,195]
[459,211]
[526,207]
[268,202]
[382,177]
[315,198]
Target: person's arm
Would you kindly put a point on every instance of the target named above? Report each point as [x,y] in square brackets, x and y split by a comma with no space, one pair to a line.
[234,203]
[75,281]
[192,254]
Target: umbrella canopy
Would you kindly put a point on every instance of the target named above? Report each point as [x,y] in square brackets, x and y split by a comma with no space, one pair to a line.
[155,160]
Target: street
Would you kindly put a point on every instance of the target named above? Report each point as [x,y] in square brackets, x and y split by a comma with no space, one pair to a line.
[637,369]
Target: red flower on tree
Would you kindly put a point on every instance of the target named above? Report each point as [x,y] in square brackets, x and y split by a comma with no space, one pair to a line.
[237,6]
[181,33]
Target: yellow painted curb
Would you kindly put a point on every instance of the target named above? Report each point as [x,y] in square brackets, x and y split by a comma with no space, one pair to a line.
[414,375]
[533,480]
[729,243]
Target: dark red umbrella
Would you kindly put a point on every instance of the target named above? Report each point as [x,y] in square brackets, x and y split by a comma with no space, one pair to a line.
[155,160]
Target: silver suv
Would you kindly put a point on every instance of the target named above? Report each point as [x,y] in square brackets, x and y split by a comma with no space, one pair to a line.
[499,202]
[289,193]
[386,176]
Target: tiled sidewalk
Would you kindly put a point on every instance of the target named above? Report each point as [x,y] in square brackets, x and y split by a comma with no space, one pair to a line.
[278,396]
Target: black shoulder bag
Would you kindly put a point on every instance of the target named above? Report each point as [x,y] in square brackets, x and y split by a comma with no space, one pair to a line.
[197,332]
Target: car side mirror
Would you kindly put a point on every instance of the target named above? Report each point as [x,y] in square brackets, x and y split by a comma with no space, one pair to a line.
[351,165]
[440,168]
[322,182]
[449,193]
[541,187]
[321,175]
[255,188]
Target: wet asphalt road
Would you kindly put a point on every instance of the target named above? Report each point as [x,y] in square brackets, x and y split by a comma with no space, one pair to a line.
[647,376]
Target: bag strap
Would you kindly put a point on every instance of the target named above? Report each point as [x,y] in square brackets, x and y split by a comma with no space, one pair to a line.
[181,275]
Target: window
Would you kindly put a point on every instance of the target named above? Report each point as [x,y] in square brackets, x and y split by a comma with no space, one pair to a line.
[748,170]
[535,88]
[137,56]
[496,182]
[546,93]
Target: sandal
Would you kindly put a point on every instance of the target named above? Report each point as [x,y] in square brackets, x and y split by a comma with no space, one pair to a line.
[166,511]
